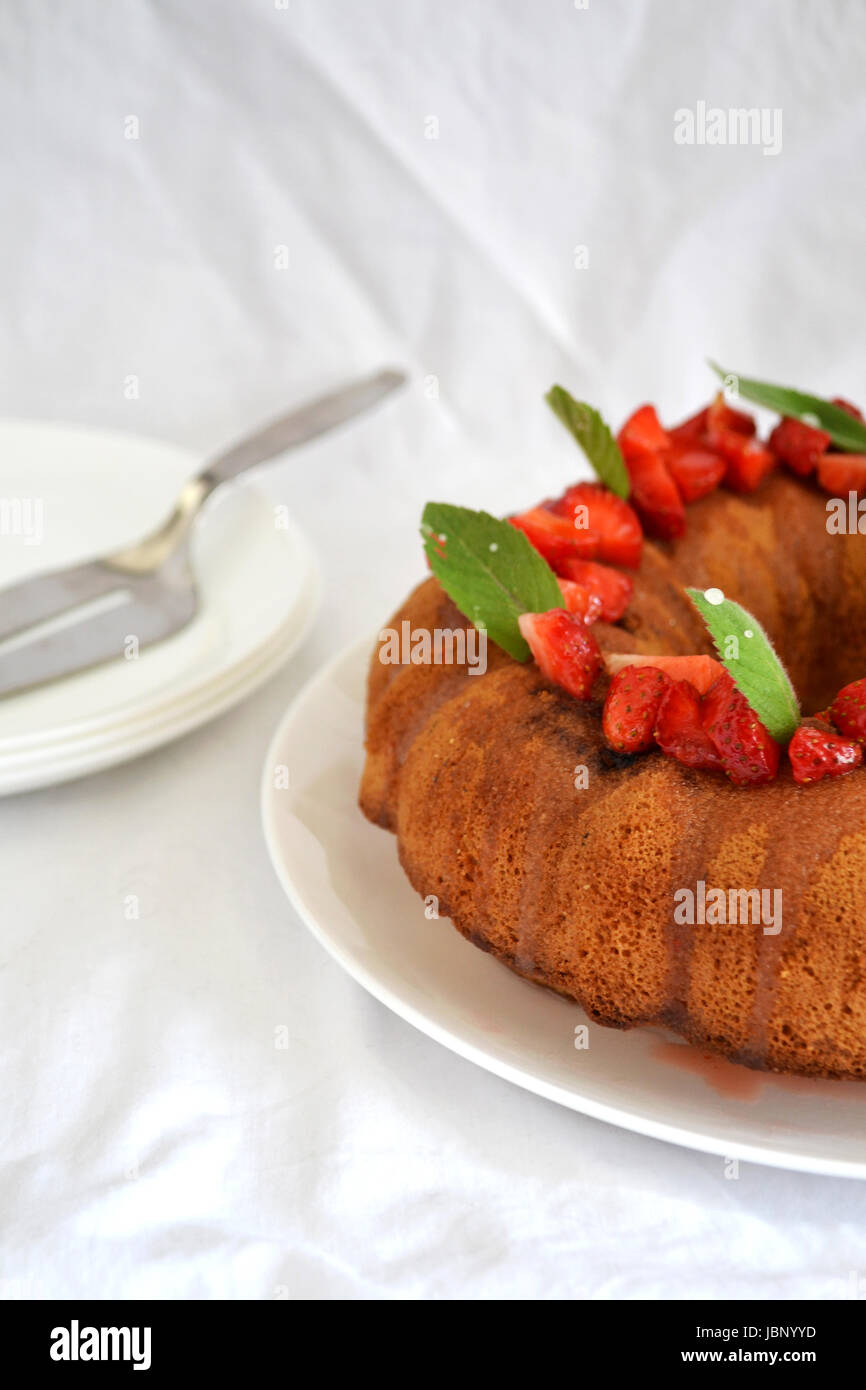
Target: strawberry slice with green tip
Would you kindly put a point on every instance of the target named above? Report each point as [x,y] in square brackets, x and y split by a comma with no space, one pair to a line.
[595,508]
[750,756]
[818,753]
[848,710]
[612,589]
[840,474]
[555,537]
[699,671]
[564,650]
[679,730]
[579,600]
[799,446]
[631,708]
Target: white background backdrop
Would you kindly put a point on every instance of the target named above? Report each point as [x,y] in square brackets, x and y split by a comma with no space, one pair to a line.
[155,1142]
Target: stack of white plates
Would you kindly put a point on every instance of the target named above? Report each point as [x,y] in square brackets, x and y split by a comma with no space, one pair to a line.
[72,494]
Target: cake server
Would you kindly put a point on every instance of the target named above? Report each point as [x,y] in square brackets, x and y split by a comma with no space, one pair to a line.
[70,619]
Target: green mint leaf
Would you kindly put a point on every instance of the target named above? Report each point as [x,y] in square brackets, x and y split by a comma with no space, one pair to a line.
[756,669]
[593,436]
[490,570]
[845,431]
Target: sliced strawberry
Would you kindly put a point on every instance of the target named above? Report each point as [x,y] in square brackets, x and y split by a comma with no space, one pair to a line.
[612,589]
[848,710]
[691,431]
[699,671]
[679,731]
[748,461]
[564,649]
[654,493]
[695,471]
[580,600]
[847,406]
[554,536]
[642,432]
[655,496]
[842,473]
[749,754]
[589,506]
[797,445]
[817,753]
[720,416]
[631,707]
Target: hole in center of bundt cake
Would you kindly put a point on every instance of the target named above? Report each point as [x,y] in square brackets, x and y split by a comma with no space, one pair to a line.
[822,645]
[773,553]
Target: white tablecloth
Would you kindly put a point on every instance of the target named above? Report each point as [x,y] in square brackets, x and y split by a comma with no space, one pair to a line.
[238,205]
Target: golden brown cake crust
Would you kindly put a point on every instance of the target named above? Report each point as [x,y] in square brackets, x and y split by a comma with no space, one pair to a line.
[573,885]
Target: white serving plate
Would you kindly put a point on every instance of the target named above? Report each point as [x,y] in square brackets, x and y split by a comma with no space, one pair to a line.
[342,876]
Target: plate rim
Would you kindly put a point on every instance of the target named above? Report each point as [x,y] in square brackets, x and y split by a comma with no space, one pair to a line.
[115,751]
[769,1154]
[166,702]
[94,743]
[93,733]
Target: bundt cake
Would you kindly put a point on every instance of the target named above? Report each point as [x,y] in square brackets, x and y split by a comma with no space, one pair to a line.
[561,857]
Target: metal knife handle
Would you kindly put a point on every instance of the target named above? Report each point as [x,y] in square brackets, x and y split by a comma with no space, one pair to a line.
[300,425]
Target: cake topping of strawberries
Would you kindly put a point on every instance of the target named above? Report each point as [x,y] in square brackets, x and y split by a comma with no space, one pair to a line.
[798,445]
[824,717]
[645,447]
[555,537]
[679,730]
[696,471]
[748,461]
[537,582]
[722,417]
[848,710]
[810,425]
[631,707]
[693,430]
[752,664]
[580,600]
[592,508]
[656,496]
[749,754]
[840,474]
[642,433]
[699,671]
[612,589]
[564,650]
[817,753]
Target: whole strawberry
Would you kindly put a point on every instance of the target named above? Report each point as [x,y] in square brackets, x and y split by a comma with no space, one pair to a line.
[749,754]
[848,710]
[817,753]
[631,707]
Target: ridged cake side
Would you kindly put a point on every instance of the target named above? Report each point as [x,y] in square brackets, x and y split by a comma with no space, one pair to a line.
[573,886]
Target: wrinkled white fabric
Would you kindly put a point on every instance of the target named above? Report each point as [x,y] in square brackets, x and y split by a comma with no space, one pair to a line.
[284,220]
